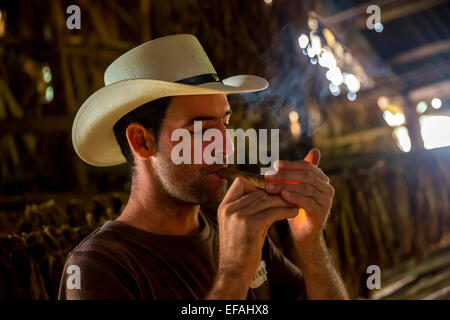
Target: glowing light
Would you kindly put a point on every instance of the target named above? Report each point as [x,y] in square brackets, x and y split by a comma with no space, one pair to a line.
[295,129]
[351,96]
[421,107]
[335,76]
[313,23]
[316,46]
[310,51]
[378,27]
[401,137]
[327,59]
[329,37]
[49,94]
[46,74]
[268,2]
[313,60]
[351,82]
[303,41]
[436,103]
[295,125]
[435,131]
[394,120]
[293,116]
[334,89]
[383,102]
[301,219]
[2,23]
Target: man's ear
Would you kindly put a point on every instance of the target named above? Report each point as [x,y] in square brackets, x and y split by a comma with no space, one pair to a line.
[141,140]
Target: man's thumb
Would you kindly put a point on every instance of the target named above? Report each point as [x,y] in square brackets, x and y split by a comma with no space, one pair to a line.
[313,156]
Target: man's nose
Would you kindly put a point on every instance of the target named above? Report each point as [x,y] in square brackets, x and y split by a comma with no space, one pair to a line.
[227,147]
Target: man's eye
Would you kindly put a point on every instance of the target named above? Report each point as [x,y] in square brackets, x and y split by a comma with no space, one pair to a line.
[199,131]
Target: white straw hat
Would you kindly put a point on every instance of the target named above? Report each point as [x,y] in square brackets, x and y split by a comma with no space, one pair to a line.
[169,66]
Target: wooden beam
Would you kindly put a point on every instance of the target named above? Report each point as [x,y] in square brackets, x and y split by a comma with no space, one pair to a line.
[49,124]
[124,15]
[57,13]
[421,52]
[419,84]
[425,75]
[100,48]
[356,137]
[390,10]
[334,165]
[146,27]
[412,123]
[405,9]
[94,8]
[353,13]
[436,90]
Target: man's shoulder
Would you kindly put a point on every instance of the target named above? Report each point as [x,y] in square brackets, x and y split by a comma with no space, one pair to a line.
[97,269]
[103,242]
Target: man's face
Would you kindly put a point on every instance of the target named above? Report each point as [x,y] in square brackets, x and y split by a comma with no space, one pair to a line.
[193,183]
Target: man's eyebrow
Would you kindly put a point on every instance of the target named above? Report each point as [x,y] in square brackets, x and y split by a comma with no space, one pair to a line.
[228,112]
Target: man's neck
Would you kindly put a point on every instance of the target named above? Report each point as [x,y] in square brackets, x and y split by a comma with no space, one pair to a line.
[152,211]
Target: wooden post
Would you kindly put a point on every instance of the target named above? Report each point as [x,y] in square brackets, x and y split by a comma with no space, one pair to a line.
[146,29]
[412,123]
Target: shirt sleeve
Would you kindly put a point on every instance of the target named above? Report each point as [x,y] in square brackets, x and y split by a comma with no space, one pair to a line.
[285,279]
[92,277]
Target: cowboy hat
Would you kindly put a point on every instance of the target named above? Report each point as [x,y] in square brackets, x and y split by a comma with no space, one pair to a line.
[169,66]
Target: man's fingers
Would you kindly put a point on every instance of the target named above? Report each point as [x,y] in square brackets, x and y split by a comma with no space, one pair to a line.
[271,201]
[289,177]
[246,200]
[284,165]
[307,203]
[305,190]
[277,214]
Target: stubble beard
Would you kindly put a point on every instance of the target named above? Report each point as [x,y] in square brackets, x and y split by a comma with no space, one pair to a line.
[175,181]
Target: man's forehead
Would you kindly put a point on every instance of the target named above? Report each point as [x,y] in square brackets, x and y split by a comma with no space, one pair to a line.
[214,105]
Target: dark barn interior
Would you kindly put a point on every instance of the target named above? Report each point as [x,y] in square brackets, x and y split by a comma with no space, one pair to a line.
[376,102]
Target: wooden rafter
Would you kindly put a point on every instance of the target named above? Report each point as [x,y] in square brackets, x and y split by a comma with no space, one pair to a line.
[421,52]
[50,124]
[123,14]
[352,13]
[145,6]
[440,89]
[390,10]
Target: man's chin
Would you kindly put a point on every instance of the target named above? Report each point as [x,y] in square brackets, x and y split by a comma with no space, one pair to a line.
[215,189]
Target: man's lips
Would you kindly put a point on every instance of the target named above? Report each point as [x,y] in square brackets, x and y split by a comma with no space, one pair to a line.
[218,168]
[215,176]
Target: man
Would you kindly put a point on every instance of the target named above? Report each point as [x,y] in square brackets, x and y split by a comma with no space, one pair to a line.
[162,246]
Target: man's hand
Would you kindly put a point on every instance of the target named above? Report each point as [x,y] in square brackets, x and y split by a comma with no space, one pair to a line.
[244,218]
[305,186]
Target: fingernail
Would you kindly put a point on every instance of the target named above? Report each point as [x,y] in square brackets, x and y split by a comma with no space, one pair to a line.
[271,187]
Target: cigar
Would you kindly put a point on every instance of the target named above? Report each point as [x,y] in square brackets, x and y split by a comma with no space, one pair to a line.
[231,174]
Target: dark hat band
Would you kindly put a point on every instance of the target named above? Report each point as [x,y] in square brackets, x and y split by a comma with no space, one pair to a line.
[203,78]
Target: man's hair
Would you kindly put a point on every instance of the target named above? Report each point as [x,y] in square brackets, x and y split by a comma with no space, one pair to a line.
[150,115]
